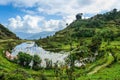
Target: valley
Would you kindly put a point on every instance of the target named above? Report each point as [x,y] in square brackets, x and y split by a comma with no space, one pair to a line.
[93,42]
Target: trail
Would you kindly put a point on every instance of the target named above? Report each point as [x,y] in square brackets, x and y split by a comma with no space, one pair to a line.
[110,59]
[6,40]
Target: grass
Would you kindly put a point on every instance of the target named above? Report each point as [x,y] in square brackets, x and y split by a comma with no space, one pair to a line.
[108,67]
[104,73]
[9,68]
[12,70]
[109,73]
[109,61]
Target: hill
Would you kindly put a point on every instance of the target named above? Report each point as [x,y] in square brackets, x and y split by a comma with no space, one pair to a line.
[106,25]
[6,34]
[95,39]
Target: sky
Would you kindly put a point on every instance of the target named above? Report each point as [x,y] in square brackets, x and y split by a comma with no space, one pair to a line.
[34,16]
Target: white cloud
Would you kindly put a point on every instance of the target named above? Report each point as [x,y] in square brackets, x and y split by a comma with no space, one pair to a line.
[25,3]
[4,2]
[71,7]
[66,9]
[53,25]
[20,3]
[27,23]
[34,24]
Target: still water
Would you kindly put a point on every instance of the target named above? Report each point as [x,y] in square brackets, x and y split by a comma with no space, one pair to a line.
[32,49]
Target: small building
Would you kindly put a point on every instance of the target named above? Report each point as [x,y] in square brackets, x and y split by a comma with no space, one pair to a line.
[9,56]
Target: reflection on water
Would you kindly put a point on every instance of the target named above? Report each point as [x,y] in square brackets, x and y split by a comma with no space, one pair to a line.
[31,48]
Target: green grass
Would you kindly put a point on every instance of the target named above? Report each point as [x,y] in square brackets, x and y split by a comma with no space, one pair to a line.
[12,71]
[109,73]
[105,73]
[109,61]
[9,68]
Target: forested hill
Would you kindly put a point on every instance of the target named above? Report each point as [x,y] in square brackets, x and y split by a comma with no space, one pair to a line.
[6,34]
[105,26]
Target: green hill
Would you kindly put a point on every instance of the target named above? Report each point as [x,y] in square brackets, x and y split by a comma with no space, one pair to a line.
[9,70]
[6,34]
[106,26]
[97,37]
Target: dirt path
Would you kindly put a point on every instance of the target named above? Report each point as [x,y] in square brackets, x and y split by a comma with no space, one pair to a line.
[110,59]
[6,40]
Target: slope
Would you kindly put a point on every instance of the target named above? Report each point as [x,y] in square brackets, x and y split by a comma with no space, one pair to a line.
[83,30]
[97,37]
[6,34]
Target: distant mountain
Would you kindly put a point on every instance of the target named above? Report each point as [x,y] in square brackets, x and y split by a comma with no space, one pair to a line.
[41,35]
[23,35]
[6,34]
[32,36]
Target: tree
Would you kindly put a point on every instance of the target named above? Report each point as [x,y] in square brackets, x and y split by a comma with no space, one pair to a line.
[106,34]
[24,59]
[48,63]
[56,69]
[79,16]
[95,44]
[67,24]
[114,11]
[36,62]
[112,15]
[70,60]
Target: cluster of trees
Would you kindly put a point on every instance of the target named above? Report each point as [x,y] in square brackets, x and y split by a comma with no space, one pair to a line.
[112,15]
[106,34]
[84,32]
[98,23]
[95,43]
[25,60]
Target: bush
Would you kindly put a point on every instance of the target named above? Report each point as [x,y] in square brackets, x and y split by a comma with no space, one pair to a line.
[36,62]
[24,59]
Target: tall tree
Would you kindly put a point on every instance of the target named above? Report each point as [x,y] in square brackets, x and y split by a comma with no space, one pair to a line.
[24,59]
[79,16]
[36,62]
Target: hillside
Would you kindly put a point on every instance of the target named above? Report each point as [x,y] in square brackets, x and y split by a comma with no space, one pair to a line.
[6,34]
[82,30]
[96,38]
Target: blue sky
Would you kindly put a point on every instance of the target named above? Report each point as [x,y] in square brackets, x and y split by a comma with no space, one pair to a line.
[34,16]
[8,11]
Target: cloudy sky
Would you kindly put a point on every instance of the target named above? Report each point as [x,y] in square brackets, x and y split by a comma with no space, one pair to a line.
[33,16]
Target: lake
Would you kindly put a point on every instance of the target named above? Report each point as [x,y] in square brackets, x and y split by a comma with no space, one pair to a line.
[32,49]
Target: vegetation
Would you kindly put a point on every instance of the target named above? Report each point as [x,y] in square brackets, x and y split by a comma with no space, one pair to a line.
[104,26]
[97,38]
[36,62]
[24,59]
[6,34]
[94,41]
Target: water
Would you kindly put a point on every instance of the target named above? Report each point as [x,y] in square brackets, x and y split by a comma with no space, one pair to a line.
[32,49]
